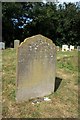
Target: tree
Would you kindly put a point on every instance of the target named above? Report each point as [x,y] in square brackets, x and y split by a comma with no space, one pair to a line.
[57,22]
[9,16]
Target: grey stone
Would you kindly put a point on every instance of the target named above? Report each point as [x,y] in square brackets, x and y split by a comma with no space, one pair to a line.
[36,64]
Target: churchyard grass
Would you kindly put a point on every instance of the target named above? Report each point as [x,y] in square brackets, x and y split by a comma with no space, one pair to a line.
[64,101]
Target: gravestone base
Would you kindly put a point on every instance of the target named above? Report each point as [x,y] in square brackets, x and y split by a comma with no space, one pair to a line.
[32,93]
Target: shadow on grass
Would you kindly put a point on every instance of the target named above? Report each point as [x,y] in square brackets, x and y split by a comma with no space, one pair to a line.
[57,83]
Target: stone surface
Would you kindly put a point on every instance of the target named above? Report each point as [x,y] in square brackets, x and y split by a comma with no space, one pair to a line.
[65,48]
[16,43]
[36,62]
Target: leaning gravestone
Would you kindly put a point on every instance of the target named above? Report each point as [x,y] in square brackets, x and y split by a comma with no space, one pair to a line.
[16,43]
[36,62]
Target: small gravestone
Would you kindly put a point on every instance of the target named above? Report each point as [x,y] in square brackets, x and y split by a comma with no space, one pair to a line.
[35,68]
[2,45]
[65,48]
[71,47]
[78,48]
[57,48]
[16,43]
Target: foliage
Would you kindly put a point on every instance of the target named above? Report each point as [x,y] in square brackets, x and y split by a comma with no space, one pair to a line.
[61,23]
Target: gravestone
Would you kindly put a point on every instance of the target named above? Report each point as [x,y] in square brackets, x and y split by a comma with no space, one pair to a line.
[2,45]
[71,47]
[65,48]
[57,48]
[16,43]
[36,62]
[78,48]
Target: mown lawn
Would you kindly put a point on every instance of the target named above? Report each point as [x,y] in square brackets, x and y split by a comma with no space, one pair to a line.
[64,101]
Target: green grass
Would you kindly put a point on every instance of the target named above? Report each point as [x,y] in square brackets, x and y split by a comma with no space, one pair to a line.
[68,61]
[64,101]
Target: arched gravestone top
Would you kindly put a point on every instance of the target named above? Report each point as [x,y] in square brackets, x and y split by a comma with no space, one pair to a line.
[36,61]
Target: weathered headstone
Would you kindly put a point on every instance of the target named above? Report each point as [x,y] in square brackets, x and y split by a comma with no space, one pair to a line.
[78,48]
[71,47]
[65,48]
[35,68]
[16,43]
[2,45]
